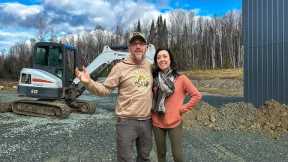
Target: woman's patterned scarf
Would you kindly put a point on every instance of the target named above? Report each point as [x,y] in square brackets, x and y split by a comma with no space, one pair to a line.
[164,84]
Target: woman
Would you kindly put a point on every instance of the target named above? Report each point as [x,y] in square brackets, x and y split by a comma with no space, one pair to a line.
[170,89]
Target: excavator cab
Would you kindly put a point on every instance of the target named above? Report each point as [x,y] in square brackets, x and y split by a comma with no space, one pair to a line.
[52,71]
[57,59]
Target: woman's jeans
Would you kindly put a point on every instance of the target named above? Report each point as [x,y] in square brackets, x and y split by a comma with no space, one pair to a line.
[175,135]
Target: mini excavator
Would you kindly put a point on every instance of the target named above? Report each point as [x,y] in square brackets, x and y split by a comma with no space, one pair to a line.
[50,88]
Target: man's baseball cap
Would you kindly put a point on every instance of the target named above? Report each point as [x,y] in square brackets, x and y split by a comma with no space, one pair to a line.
[137,36]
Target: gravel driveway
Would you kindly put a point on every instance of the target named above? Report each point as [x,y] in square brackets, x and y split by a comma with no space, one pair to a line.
[91,138]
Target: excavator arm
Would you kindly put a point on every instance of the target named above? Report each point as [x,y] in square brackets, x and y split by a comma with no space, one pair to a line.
[102,61]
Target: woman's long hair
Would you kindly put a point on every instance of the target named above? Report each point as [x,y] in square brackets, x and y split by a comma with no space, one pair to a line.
[156,68]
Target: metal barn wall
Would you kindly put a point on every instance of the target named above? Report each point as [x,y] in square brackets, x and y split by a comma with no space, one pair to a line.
[265,33]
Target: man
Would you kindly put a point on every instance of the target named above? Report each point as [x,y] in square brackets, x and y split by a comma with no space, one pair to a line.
[133,79]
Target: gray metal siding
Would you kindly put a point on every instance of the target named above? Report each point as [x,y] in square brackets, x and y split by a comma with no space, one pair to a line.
[265,24]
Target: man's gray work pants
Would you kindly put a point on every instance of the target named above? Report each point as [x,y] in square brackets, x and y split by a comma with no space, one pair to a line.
[130,131]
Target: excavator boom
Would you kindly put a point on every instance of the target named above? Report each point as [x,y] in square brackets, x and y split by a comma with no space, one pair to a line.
[107,57]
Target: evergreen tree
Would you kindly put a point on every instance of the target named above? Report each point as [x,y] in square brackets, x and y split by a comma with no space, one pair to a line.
[165,35]
[138,28]
[152,33]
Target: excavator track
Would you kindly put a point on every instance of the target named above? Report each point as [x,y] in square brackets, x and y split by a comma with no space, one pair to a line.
[5,107]
[83,106]
[41,108]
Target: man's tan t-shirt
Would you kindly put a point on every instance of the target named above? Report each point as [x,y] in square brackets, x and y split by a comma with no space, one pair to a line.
[134,84]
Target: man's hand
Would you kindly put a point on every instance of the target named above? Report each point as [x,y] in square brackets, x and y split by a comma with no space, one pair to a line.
[83,75]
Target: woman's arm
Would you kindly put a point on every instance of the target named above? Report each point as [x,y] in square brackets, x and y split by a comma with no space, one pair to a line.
[193,92]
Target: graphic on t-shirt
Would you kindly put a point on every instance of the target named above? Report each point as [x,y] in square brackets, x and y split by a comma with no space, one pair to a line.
[141,79]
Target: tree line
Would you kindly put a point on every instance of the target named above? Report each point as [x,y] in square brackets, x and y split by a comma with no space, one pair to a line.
[196,42]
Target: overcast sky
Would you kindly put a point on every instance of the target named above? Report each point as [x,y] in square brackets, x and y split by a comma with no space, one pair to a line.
[18,18]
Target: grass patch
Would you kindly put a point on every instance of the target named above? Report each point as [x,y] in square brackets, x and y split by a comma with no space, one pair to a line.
[216,73]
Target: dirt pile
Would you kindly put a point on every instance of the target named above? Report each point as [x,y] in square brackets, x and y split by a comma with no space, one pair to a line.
[270,119]
[202,115]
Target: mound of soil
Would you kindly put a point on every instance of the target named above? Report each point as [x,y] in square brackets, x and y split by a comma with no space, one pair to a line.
[271,119]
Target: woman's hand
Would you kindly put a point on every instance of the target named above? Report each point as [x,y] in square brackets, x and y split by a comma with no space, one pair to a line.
[182,111]
[83,75]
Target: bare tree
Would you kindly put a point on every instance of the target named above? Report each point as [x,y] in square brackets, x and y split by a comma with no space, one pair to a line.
[196,42]
[41,25]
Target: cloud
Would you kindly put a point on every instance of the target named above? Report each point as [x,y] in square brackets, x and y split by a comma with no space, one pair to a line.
[20,10]
[71,16]
[17,14]
[9,38]
[107,13]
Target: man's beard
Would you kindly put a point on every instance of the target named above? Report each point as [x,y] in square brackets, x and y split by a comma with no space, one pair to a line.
[139,58]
